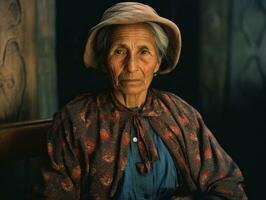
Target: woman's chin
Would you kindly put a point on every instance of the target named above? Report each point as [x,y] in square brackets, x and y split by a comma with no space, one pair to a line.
[132,90]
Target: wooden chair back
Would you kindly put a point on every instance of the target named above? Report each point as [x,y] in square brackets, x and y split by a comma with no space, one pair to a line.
[23,140]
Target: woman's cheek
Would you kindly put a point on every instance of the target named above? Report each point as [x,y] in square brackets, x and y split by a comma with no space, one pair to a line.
[115,71]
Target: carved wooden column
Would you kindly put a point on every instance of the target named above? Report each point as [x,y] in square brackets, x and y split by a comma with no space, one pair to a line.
[232,52]
[13,75]
[248,57]
[213,56]
[27,65]
[27,79]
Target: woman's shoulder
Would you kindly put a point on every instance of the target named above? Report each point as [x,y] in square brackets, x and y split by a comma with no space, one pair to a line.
[84,102]
[79,101]
[82,98]
[179,107]
[174,100]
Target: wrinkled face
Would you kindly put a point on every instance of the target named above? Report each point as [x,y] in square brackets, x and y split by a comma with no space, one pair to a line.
[132,59]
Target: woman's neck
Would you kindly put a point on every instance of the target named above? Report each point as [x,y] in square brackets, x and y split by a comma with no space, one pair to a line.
[131,100]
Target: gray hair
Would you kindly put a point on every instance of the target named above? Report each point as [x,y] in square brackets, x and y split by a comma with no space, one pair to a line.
[102,42]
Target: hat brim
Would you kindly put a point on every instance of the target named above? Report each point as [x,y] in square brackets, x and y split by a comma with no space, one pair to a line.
[172,31]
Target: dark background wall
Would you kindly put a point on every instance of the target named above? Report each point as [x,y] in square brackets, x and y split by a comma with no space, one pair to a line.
[240,129]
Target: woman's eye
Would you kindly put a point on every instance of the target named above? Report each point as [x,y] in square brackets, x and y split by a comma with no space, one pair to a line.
[120,52]
[144,51]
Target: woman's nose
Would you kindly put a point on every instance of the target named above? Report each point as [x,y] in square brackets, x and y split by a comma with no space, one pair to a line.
[131,65]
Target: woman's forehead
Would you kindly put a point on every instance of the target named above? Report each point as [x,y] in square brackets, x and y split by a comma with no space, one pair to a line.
[137,33]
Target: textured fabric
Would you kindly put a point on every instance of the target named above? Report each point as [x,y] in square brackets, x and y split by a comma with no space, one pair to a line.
[160,183]
[88,148]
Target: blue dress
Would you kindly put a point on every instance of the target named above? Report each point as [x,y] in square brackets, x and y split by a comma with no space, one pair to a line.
[160,183]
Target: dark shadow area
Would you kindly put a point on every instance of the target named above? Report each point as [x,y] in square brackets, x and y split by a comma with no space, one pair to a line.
[242,135]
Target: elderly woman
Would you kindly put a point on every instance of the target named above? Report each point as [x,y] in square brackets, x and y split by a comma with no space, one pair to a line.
[134,142]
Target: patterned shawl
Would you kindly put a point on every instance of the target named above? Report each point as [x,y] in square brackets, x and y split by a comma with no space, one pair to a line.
[89,141]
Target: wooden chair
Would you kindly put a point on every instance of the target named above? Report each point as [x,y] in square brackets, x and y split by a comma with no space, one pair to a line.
[23,140]
[22,148]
